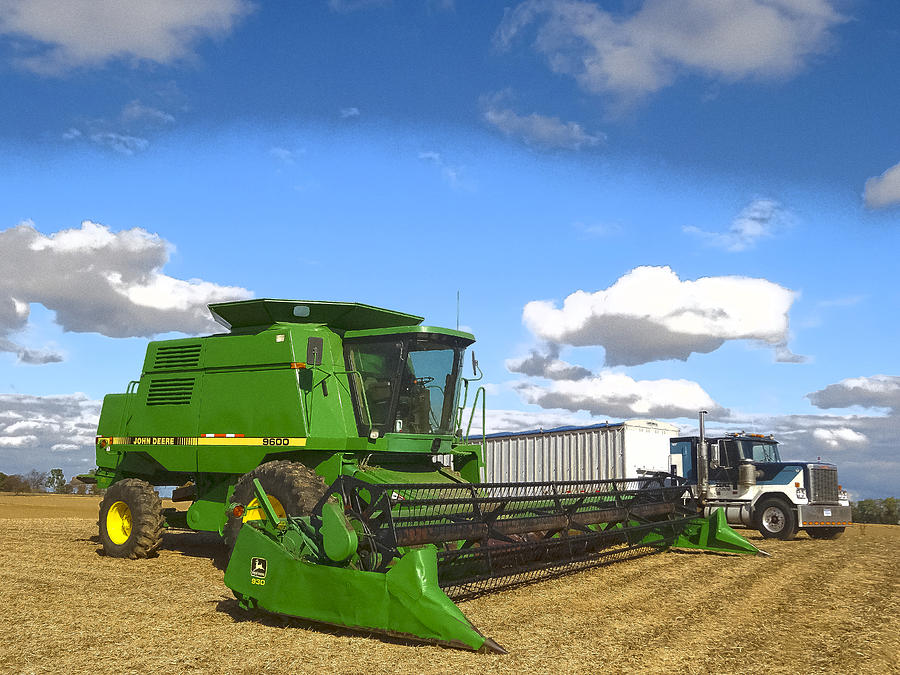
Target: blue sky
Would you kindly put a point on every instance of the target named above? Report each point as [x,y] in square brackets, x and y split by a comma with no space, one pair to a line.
[646,207]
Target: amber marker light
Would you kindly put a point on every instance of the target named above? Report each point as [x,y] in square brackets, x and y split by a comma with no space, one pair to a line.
[238,511]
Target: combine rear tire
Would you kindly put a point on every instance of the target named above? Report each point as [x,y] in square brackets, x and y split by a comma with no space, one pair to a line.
[293,489]
[775,519]
[131,520]
[825,532]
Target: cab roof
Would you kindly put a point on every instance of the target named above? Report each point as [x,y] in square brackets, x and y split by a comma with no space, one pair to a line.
[338,315]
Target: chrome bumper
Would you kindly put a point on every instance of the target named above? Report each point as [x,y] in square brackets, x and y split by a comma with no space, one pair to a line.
[823,516]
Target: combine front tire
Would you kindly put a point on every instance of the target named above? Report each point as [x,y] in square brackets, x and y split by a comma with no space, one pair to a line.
[131,520]
[775,519]
[293,489]
[825,532]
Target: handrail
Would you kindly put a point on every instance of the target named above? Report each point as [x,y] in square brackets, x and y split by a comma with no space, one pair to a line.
[481,391]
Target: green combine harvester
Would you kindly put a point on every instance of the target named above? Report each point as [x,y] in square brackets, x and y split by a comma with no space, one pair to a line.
[324,442]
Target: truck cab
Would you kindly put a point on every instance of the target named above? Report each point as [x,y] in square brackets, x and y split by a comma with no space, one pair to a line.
[747,478]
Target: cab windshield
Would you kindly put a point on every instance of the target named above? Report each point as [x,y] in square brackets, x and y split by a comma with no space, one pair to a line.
[760,452]
[405,384]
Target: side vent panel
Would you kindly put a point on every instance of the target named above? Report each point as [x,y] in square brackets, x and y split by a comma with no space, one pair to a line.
[171,391]
[177,357]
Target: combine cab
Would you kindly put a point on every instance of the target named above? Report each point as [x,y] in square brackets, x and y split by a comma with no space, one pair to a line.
[323,441]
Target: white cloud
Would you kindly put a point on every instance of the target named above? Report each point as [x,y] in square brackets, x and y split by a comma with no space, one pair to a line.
[100,281]
[612,394]
[124,133]
[452,175]
[877,391]
[47,431]
[634,53]
[135,111]
[537,130]
[760,219]
[650,314]
[884,190]
[17,441]
[838,437]
[347,113]
[77,33]
[282,155]
[121,143]
[522,420]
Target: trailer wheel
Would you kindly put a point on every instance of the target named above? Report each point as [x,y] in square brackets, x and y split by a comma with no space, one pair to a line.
[293,489]
[131,521]
[775,520]
[825,532]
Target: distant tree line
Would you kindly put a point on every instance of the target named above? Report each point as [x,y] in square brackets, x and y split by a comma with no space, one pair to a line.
[877,511]
[42,481]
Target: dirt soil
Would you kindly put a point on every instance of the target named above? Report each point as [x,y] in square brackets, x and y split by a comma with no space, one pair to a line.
[813,607]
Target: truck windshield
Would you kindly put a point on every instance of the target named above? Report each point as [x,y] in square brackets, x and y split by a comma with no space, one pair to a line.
[405,384]
[761,452]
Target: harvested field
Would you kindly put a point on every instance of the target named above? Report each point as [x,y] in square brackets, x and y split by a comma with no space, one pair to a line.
[813,607]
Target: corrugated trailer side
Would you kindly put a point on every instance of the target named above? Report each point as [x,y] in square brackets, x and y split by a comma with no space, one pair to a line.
[595,452]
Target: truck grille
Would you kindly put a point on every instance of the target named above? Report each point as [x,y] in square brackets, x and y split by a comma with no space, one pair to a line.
[823,485]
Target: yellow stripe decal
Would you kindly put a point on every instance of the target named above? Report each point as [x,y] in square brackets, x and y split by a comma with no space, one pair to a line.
[273,441]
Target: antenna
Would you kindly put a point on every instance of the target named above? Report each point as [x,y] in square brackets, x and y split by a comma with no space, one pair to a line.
[457,309]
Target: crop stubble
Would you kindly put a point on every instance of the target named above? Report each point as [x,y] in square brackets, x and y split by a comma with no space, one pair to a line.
[814,606]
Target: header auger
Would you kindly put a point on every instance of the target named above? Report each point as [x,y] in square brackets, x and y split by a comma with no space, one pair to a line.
[323,441]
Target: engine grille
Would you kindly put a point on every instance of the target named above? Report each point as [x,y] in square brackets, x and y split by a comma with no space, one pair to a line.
[171,391]
[177,357]
[823,485]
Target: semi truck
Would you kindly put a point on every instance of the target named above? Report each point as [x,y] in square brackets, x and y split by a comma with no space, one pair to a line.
[744,473]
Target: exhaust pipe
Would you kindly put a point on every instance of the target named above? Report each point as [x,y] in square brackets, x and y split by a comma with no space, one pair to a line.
[703,461]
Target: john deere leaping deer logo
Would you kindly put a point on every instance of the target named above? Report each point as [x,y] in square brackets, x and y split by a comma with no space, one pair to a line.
[258,568]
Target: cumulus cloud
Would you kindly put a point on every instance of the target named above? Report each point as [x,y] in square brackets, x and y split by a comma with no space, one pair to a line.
[650,314]
[537,130]
[99,281]
[612,394]
[75,33]
[838,437]
[645,47]
[760,219]
[884,190]
[347,113]
[547,365]
[877,391]
[47,431]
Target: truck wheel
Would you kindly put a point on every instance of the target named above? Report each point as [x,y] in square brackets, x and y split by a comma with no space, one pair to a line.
[131,521]
[775,520]
[825,532]
[293,489]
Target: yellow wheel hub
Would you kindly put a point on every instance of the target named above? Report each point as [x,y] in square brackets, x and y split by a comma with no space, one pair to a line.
[118,523]
[255,510]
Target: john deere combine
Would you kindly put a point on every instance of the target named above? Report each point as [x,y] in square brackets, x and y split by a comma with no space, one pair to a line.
[323,441]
